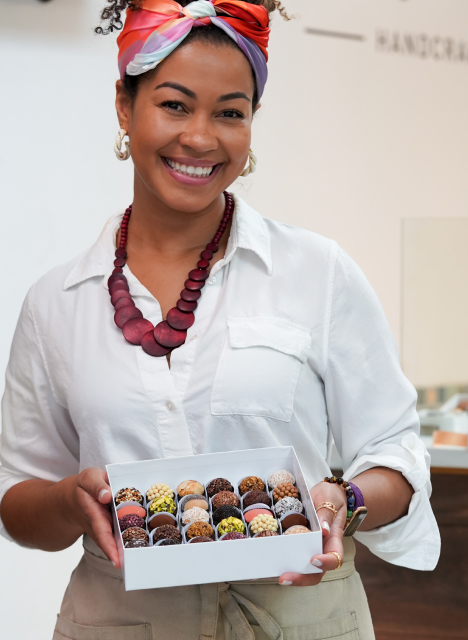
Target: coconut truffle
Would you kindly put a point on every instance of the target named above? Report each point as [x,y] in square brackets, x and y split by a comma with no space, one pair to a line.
[288,504]
[280,477]
[195,515]
[226,511]
[224,497]
[217,485]
[256,497]
[251,483]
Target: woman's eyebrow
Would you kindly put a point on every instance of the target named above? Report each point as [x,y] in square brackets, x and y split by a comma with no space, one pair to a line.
[178,87]
[233,96]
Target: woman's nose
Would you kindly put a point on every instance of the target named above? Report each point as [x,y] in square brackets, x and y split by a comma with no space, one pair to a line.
[199,134]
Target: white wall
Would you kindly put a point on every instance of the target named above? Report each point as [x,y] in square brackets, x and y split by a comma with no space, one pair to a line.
[350,141]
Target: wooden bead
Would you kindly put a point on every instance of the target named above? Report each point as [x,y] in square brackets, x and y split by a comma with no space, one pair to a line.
[119,262]
[120,293]
[203,264]
[114,277]
[151,347]
[167,336]
[198,274]
[135,328]
[125,314]
[211,246]
[121,253]
[206,255]
[190,296]
[123,302]
[183,305]
[191,285]
[180,320]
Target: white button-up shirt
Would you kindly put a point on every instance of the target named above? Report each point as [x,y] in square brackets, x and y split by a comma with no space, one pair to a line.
[289,341]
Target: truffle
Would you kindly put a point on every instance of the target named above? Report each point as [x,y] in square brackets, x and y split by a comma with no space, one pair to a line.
[131,521]
[285,490]
[224,497]
[189,487]
[226,511]
[230,524]
[297,529]
[280,477]
[161,519]
[288,504]
[253,513]
[201,539]
[199,529]
[217,485]
[158,490]
[251,483]
[256,497]
[132,509]
[162,504]
[292,519]
[167,543]
[130,493]
[136,543]
[169,532]
[266,534]
[133,533]
[200,503]
[234,535]
[195,515]
[262,523]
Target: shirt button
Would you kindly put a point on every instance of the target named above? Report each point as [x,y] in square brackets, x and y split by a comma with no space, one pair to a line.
[212,280]
[170,406]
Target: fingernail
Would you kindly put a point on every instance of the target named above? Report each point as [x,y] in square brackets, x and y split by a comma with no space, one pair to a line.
[316,563]
[286,583]
[326,526]
[113,562]
[102,493]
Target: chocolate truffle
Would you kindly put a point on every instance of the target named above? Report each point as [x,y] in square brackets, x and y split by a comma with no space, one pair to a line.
[226,511]
[263,523]
[167,543]
[158,490]
[162,504]
[195,515]
[189,487]
[217,485]
[130,493]
[200,503]
[266,534]
[253,513]
[297,529]
[251,483]
[234,535]
[224,497]
[167,531]
[201,539]
[132,509]
[136,543]
[199,529]
[161,519]
[131,521]
[230,524]
[285,490]
[288,504]
[280,477]
[256,497]
[133,533]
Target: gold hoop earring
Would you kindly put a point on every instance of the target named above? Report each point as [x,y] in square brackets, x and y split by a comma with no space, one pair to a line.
[125,154]
[252,166]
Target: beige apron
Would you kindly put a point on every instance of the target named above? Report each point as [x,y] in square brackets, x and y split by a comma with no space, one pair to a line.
[97,607]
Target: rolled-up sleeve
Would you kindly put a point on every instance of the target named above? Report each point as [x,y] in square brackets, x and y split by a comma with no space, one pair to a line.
[372,414]
[38,439]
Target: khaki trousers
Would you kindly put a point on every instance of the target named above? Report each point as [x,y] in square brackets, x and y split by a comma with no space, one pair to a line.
[97,607]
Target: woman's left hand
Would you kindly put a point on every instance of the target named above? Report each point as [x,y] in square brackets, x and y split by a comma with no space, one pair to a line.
[332,530]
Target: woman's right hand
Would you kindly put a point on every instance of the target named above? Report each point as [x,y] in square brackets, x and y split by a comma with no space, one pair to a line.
[90,497]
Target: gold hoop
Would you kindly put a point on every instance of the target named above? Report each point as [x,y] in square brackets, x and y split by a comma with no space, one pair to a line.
[338,557]
[328,505]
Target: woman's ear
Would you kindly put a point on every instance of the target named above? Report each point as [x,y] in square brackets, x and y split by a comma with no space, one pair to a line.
[257,107]
[122,106]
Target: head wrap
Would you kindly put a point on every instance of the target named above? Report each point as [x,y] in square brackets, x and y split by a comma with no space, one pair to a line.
[153,32]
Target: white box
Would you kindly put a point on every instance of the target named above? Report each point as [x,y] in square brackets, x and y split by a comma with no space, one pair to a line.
[221,561]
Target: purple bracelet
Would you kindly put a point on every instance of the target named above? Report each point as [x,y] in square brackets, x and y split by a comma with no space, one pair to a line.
[358,496]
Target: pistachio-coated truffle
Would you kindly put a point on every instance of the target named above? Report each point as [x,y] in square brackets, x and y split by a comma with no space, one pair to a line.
[164,503]
[251,483]
[230,524]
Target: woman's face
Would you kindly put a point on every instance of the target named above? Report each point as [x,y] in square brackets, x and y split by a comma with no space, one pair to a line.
[190,125]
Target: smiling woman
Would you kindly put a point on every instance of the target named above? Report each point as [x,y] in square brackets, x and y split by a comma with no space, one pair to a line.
[287,342]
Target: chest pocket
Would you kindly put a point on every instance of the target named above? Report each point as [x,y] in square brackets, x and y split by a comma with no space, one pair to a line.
[259,367]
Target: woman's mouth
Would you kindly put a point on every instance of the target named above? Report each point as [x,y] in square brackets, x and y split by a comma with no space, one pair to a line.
[191,174]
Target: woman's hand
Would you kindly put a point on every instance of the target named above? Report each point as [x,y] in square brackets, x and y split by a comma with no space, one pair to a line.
[332,531]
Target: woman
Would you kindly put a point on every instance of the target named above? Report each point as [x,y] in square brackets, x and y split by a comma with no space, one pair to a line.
[287,341]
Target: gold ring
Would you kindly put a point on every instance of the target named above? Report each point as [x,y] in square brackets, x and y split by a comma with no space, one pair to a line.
[327,505]
[338,557]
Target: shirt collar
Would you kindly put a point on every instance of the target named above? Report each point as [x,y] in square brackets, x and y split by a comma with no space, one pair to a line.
[249,231]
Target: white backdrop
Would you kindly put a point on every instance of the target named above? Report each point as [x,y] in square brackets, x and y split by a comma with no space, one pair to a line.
[355,134]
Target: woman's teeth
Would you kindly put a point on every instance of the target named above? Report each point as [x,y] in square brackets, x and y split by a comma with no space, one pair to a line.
[198,172]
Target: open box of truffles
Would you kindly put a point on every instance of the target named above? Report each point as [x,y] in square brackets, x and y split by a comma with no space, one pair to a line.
[174,516]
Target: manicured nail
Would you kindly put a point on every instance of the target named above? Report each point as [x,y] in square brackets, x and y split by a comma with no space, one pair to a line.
[286,583]
[113,563]
[326,526]
[316,563]
[102,493]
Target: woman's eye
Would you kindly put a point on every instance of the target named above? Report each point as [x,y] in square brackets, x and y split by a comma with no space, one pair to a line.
[173,106]
[231,113]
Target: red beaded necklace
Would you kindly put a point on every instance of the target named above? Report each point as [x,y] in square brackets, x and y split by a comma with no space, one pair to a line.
[170,333]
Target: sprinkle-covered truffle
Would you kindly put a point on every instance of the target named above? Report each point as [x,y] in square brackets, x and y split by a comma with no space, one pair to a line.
[280,477]
[201,503]
[251,483]
[224,497]
[199,529]
[158,490]
[195,515]
[136,543]
[266,534]
[230,524]
[201,539]
[133,533]
[217,485]
[226,511]
[288,504]
[189,487]
[167,531]
[167,543]
[234,535]
[263,523]
[162,504]
[297,529]
[130,493]
[257,497]
[131,520]
[285,490]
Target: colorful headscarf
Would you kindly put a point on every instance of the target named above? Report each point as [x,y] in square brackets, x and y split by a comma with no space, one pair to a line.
[152,33]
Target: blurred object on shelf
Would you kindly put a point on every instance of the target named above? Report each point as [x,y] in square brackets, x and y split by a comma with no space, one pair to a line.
[452,417]
[449,439]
